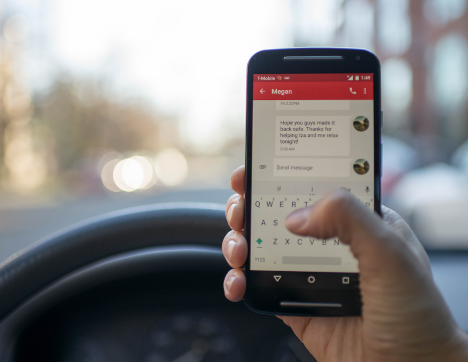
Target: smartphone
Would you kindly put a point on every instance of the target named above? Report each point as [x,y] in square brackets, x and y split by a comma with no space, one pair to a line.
[313,124]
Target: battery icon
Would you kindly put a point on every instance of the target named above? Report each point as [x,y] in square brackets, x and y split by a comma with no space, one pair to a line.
[357,77]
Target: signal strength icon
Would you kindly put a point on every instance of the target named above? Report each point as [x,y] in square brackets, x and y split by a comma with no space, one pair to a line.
[350,77]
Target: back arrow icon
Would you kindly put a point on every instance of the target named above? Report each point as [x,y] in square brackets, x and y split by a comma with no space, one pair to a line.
[262,91]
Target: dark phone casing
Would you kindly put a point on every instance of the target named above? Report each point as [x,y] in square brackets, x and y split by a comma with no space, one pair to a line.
[327,296]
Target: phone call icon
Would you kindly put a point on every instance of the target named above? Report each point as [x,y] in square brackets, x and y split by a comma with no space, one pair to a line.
[351,90]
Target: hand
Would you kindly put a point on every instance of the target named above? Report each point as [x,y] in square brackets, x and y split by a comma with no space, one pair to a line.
[404,317]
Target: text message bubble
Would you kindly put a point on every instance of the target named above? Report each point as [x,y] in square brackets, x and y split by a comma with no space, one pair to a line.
[312,167]
[313,135]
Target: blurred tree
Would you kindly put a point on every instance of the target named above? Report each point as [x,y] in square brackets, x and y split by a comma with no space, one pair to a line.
[83,120]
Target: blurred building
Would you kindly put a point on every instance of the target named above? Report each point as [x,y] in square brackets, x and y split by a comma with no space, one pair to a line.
[423,47]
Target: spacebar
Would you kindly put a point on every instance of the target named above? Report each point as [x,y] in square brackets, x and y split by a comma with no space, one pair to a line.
[310,305]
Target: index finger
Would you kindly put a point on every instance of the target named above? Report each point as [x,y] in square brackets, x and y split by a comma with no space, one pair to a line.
[238,179]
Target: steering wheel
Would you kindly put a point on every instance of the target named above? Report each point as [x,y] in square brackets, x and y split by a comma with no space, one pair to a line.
[180,242]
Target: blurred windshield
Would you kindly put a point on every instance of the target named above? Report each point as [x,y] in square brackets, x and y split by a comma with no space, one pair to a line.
[112,103]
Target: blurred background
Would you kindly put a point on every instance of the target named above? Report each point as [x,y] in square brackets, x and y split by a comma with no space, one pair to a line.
[106,104]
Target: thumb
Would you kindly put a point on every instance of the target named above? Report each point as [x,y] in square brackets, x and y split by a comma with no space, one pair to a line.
[377,247]
[403,310]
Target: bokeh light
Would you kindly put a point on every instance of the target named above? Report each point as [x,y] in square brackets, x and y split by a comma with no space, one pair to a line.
[107,175]
[119,179]
[171,167]
[149,176]
[130,174]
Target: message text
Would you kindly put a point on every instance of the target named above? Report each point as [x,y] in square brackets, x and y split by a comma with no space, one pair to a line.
[313,135]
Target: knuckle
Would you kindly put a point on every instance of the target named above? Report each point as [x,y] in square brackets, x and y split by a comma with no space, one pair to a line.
[230,235]
[236,215]
[237,177]
[225,240]
[233,199]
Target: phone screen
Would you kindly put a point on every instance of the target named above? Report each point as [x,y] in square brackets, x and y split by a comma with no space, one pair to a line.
[311,133]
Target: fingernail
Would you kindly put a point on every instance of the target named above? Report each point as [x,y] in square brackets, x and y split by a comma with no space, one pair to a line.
[297,218]
[228,283]
[229,248]
[230,211]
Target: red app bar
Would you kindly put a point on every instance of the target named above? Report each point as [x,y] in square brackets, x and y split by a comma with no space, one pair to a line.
[313,90]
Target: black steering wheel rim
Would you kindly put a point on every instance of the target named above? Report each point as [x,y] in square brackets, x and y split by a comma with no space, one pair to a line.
[33,268]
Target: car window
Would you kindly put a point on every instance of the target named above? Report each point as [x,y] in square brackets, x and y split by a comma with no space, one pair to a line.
[108,104]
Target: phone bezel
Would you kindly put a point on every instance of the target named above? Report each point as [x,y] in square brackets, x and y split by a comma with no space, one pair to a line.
[260,296]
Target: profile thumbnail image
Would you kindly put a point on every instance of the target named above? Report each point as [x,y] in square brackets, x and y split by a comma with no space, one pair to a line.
[361,123]
[361,166]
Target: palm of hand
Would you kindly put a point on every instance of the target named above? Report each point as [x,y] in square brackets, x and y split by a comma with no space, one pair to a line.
[330,339]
